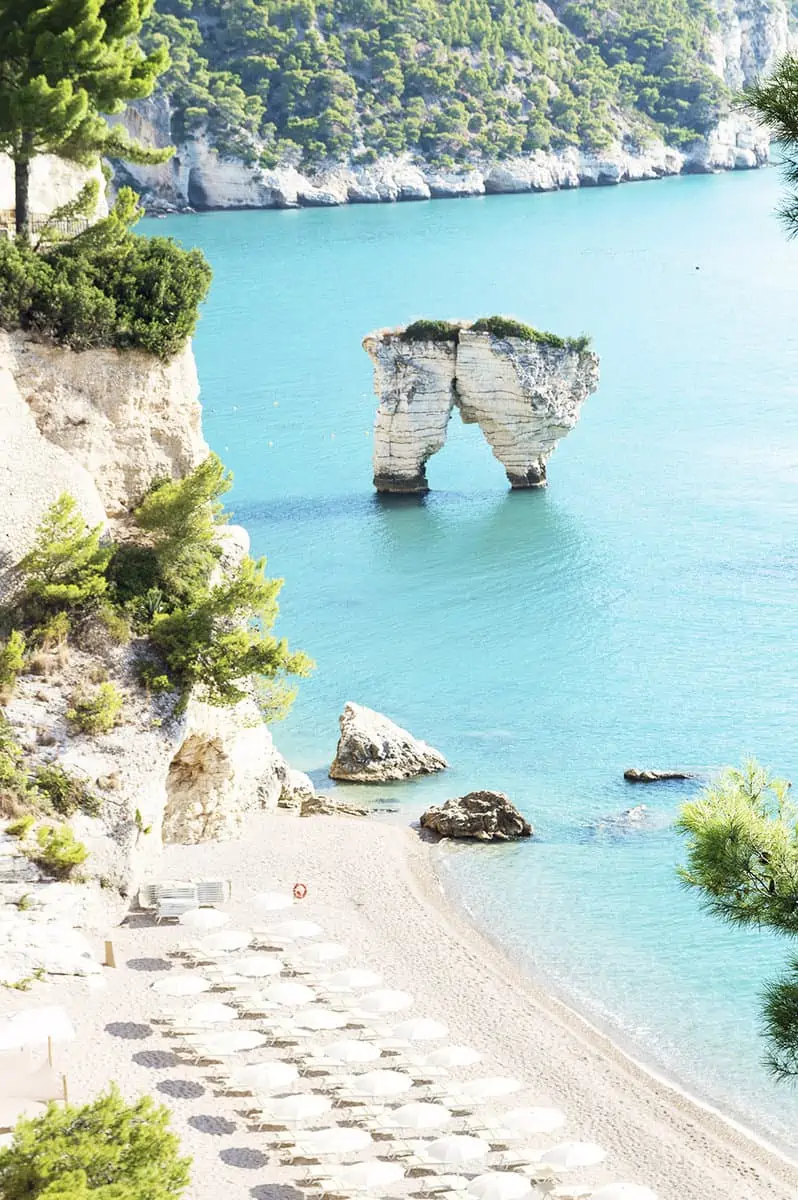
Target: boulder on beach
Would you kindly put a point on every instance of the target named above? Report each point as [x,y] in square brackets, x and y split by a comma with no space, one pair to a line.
[372,749]
[485,816]
[635,775]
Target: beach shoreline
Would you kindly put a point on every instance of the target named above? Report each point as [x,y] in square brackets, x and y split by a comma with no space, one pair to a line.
[374,886]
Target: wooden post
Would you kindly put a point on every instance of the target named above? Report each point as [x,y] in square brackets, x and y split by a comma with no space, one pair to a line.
[64,1086]
[110,961]
[50,1051]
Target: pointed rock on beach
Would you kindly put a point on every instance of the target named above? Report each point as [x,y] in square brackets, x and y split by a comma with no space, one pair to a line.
[486,816]
[372,749]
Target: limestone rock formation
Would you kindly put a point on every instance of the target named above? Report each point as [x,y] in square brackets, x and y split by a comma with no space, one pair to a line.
[54,181]
[372,749]
[126,417]
[524,395]
[485,816]
[649,775]
[33,474]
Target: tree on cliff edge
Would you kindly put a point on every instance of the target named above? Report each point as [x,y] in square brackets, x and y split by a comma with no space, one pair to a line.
[63,63]
[742,856]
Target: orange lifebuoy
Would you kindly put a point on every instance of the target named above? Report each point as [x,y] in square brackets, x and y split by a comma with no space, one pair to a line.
[300,891]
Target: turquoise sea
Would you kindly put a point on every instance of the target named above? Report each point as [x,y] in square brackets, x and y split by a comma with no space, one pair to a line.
[641,611]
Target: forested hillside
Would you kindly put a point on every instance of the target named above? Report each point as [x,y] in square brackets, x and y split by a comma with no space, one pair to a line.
[300,80]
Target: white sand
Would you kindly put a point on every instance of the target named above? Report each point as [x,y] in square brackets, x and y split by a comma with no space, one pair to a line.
[372,886]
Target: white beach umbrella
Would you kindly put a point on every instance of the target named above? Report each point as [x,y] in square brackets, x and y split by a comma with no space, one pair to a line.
[226,941]
[256,966]
[232,1041]
[569,1156]
[418,1115]
[420,1029]
[266,1077]
[182,985]
[269,902]
[315,1016]
[376,1084]
[36,1027]
[490,1087]
[349,1050]
[525,1121]
[353,980]
[499,1185]
[303,1106]
[296,930]
[292,995]
[385,1000]
[623,1191]
[453,1056]
[369,1176]
[322,952]
[456,1150]
[209,1013]
[203,919]
[337,1139]
[12,1110]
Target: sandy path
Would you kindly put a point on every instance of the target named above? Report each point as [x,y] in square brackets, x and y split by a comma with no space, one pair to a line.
[372,886]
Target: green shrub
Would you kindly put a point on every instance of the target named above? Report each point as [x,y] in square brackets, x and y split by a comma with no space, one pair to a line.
[132,572]
[96,711]
[66,566]
[105,1150]
[56,850]
[12,660]
[15,792]
[507,327]
[105,287]
[53,633]
[65,792]
[430,331]
[21,827]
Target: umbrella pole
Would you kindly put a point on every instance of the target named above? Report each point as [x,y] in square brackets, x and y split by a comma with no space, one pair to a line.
[64,1087]
[50,1051]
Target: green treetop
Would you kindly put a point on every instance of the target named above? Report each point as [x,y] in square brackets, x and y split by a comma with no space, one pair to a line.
[63,63]
[774,102]
[742,856]
[66,565]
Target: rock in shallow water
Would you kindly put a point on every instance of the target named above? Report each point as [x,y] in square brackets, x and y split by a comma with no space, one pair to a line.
[485,816]
[372,749]
[634,775]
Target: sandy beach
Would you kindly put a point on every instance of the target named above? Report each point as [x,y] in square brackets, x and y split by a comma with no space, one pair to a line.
[373,886]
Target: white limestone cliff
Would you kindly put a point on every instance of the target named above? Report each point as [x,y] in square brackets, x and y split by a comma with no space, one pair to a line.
[750,37]
[125,416]
[524,395]
[53,181]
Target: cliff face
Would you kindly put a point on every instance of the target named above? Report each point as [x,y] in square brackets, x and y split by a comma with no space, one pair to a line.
[101,425]
[525,396]
[53,182]
[751,36]
[125,416]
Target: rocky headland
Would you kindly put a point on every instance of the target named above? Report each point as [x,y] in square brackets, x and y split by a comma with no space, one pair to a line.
[524,389]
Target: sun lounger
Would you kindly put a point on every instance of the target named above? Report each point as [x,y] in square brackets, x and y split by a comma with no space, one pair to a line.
[212,891]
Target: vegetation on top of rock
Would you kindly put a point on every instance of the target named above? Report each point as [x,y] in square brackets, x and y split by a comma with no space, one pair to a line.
[65,793]
[63,66]
[449,80]
[427,330]
[68,1153]
[430,331]
[105,287]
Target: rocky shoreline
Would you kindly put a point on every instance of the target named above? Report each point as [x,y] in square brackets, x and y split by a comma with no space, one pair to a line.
[198,178]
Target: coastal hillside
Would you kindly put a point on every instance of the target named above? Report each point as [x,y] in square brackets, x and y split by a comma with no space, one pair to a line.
[445,86]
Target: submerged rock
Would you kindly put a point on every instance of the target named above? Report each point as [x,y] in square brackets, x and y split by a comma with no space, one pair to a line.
[620,824]
[649,775]
[323,804]
[524,394]
[485,816]
[372,749]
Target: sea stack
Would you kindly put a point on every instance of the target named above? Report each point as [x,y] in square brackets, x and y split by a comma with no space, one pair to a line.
[525,389]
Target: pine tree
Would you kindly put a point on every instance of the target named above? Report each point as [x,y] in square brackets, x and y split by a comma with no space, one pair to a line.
[66,565]
[742,856]
[63,63]
[106,1150]
[774,102]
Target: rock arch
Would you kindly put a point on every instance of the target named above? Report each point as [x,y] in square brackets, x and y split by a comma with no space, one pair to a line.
[524,395]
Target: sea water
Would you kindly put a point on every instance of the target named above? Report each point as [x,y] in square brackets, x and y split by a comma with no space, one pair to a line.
[642,610]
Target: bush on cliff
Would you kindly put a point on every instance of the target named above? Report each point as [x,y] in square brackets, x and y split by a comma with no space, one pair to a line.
[96,710]
[65,568]
[108,1150]
[106,287]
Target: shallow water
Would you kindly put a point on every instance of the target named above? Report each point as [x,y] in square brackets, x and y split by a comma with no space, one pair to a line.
[641,611]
